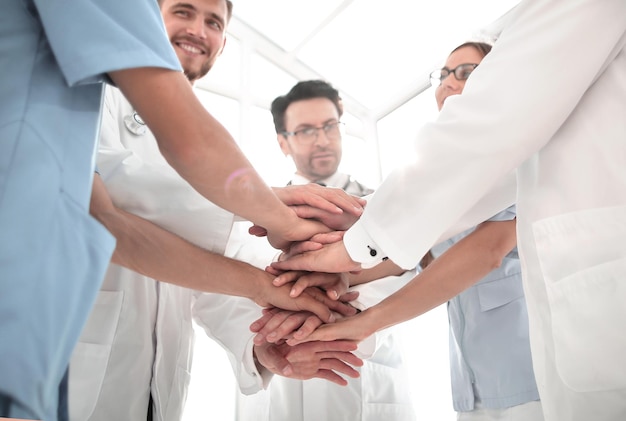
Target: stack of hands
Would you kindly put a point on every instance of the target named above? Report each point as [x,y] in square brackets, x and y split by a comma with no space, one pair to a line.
[308,327]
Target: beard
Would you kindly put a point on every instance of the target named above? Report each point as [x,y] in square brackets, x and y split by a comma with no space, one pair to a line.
[193,75]
[190,69]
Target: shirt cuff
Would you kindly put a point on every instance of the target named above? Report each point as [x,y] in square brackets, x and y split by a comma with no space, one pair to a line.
[261,375]
[361,247]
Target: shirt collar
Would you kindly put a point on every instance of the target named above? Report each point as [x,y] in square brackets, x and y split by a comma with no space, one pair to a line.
[338,180]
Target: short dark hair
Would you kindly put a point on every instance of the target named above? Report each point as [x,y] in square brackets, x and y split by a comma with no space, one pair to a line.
[482,47]
[307,89]
[229,8]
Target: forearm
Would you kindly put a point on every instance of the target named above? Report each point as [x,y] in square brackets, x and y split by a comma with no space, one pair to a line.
[199,147]
[460,267]
[152,251]
[386,268]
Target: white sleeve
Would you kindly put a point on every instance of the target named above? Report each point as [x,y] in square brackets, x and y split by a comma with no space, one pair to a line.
[226,320]
[515,101]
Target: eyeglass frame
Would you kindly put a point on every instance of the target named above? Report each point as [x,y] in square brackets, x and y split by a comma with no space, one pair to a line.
[452,72]
[326,127]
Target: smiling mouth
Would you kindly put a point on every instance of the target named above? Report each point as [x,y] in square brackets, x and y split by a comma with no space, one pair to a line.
[189,48]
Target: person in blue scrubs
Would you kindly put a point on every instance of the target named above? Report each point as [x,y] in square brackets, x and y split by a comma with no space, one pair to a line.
[55,56]
[490,362]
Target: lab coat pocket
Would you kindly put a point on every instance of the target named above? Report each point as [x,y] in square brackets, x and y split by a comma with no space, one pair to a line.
[500,292]
[92,354]
[583,261]
[385,393]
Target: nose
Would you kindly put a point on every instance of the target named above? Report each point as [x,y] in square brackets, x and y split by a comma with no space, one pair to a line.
[197,28]
[452,83]
[322,139]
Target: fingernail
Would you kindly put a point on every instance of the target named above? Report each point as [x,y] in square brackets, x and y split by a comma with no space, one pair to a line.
[293,292]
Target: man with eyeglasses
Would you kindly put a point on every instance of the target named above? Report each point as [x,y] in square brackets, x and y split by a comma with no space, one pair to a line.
[308,128]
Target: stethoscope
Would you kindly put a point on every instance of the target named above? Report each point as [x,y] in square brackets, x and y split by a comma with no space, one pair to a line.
[135,124]
[362,189]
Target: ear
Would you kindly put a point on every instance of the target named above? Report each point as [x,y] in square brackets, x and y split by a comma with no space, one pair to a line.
[284,144]
[223,46]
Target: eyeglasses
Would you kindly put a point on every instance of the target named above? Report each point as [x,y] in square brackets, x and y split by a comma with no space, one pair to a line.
[461,72]
[309,134]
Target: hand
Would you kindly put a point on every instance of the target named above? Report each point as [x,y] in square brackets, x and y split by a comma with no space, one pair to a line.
[328,199]
[314,243]
[353,328]
[276,325]
[314,300]
[335,284]
[329,258]
[310,360]
[335,221]
[293,229]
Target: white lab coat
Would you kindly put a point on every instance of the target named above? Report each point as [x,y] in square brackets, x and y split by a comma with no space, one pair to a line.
[550,99]
[381,391]
[139,337]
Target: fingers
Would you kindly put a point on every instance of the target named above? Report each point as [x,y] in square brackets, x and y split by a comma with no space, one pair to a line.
[344,309]
[303,261]
[321,197]
[299,248]
[307,303]
[289,324]
[308,327]
[318,335]
[310,194]
[345,357]
[272,358]
[340,307]
[349,296]
[257,231]
[328,237]
[276,322]
[334,284]
[331,258]
[336,363]
[321,360]
[331,377]
[287,277]
[258,324]
[272,271]
[334,221]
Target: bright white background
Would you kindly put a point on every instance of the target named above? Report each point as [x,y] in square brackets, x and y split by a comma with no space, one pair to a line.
[379,55]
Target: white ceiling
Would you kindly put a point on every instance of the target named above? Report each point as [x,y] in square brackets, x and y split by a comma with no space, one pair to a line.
[377,53]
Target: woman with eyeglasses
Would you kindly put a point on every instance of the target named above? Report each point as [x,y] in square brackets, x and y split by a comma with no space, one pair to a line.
[490,361]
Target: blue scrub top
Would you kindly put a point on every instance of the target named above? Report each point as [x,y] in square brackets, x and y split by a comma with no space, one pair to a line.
[490,356]
[54,55]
